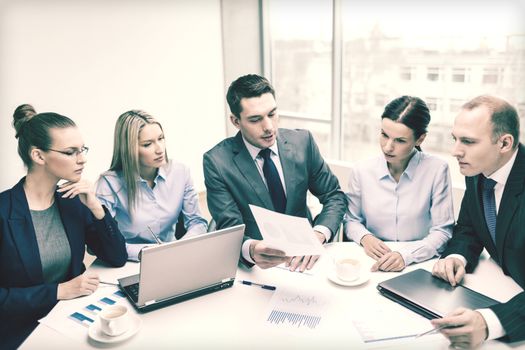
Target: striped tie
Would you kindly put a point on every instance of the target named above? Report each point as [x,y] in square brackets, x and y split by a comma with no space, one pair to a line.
[489,206]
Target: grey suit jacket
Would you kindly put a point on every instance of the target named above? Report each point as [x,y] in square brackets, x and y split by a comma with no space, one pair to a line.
[233,182]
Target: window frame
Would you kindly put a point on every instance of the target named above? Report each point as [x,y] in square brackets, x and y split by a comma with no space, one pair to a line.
[336,115]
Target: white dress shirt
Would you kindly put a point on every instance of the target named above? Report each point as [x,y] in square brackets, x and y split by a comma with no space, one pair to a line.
[259,162]
[418,209]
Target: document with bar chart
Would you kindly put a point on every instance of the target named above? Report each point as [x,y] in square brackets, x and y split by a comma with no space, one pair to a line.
[74,317]
[299,309]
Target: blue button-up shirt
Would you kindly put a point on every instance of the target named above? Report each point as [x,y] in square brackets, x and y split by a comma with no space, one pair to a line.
[157,208]
[417,209]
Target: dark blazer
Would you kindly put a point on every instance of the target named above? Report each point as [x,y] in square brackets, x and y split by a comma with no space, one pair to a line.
[24,297]
[233,182]
[471,235]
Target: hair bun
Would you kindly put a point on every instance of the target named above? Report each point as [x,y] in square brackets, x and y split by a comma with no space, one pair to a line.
[23,114]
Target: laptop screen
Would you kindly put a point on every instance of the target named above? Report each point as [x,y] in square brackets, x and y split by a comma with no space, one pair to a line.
[190,264]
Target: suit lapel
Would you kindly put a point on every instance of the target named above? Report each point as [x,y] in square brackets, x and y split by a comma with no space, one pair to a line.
[248,170]
[288,163]
[24,236]
[510,199]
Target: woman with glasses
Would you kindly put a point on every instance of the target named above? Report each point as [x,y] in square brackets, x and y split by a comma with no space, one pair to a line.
[44,228]
[404,195]
[144,191]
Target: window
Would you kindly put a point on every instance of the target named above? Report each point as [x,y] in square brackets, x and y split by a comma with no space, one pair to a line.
[459,75]
[378,53]
[521,111]
[380,100]
[301,64]
[432,103]
[406,73]
[491,75]
[360,99]
[455,104]
[432,73]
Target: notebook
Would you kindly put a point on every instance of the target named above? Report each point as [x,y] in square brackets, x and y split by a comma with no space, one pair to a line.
[181,270]
[430,296]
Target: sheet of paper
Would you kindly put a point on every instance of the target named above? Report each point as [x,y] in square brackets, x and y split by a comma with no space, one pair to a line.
[388,322]
[72,318]
[291,234]
[297,309]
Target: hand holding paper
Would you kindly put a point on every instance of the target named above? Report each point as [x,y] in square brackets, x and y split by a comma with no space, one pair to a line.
[291,234]
[266,257]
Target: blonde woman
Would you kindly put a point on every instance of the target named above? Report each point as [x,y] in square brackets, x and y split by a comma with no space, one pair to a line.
[144,191]
[44,228]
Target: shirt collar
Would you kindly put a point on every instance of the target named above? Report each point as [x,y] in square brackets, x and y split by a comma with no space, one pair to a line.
[502,174]
[409,171]
[254,151]
[161,174]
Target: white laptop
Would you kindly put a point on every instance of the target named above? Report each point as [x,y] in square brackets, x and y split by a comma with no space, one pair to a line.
[181,270]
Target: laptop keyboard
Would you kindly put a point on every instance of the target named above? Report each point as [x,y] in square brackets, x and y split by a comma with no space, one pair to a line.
[133,291]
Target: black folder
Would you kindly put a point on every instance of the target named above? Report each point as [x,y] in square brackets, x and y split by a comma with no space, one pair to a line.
[430,296]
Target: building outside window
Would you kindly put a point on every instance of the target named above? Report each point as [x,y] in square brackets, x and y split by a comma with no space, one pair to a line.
[406,73]
[455,104]
[459,75]
[433,73]
[491,75]
[383,51]
[300,64]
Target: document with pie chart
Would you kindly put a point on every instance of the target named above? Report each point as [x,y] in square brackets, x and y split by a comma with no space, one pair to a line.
[291,234]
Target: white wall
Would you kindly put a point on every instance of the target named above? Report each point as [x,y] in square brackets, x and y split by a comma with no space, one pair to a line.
[241,33]
[93,60]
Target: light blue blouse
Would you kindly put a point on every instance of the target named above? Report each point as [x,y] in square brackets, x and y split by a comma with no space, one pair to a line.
[417,210]
[157,208]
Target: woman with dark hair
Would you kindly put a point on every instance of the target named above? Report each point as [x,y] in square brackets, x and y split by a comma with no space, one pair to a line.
[147,193]
[404,195]
[44,228]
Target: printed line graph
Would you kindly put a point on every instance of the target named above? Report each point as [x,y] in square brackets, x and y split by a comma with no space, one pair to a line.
[301,300]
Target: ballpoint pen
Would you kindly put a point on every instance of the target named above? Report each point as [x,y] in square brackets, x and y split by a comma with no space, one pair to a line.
[108,283]
[154,235]
[433,330]
[263,286]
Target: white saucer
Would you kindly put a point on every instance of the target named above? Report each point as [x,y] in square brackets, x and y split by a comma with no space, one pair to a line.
[96,334]
[365,276]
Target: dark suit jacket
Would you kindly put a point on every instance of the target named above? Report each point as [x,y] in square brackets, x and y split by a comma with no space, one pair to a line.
[233,182]
[24,297]
[471,235]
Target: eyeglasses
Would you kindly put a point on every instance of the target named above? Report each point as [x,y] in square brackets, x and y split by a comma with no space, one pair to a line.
[74,152]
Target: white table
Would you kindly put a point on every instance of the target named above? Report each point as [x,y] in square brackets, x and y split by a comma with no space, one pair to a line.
[234,318]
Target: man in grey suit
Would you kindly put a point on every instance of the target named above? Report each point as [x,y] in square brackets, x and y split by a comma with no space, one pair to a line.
[271,168]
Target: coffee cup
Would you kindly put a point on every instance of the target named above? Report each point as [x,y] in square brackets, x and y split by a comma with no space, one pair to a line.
[114,320]
[347,269]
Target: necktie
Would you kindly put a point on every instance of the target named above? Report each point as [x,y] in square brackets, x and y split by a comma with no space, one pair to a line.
[273,181]
[489,206]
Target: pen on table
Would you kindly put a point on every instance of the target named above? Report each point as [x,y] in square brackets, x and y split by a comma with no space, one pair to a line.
[263,286]
[154,235]
[108,283]
[433,330]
